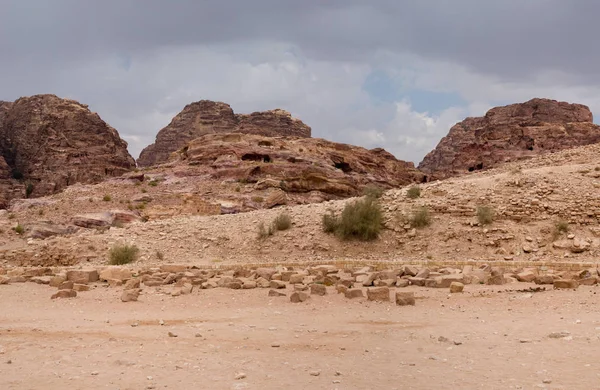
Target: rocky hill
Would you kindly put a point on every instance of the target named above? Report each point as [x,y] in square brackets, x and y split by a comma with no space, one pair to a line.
[510,133]
[48,143]
[208,117]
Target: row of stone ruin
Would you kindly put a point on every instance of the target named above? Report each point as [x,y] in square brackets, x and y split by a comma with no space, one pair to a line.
[302,280]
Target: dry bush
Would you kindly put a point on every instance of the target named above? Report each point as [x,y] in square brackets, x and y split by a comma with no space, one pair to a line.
[413,192]
[107,198]
[282,222]
[420,218]
[485,215]
[373,191]
[121,254]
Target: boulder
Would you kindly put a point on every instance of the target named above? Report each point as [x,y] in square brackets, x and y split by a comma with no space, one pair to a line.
[130,295]
[378,294]
[115,273]
[64,294]
[456,287]
[298,296]
[566,284]
[318,289]
[83,276]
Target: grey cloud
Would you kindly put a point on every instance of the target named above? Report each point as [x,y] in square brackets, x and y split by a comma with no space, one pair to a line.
[512,38]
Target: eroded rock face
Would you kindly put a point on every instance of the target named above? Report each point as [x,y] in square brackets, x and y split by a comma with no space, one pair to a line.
[52,143]
[295,165]
[208,117]
[510,133]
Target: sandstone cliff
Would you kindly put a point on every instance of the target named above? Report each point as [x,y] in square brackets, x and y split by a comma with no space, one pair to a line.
[296,165]
[48,143]
[510,133]
[208,117]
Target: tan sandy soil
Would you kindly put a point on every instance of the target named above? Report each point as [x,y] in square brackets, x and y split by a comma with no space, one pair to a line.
[485,338]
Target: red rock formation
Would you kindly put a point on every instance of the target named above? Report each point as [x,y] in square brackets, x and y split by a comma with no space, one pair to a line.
[510,133]
[51,143]
[208,117]
[294,165]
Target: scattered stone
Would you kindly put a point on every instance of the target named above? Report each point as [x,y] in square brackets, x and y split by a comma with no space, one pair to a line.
[559,335]
[240,376]
[378,294]
[64,294]
[405,298]
[315,373]
[130,295]
[275,293]
[354,293]
[66,285]
[456,287]
[171,334]
[132,283]
[566,284]
[298,297]
[318,289]
[277,284]
[83,276]
[81,287]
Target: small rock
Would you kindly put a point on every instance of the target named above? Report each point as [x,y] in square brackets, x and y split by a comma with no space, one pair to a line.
[130,295]
[354,293]
[318,289]
[171,334]
[566,284]
[275,293]
[559,335]
[299,296]
[64,294]
[240,375]
[378,294]
[405,298]
[315,373]
[456,287]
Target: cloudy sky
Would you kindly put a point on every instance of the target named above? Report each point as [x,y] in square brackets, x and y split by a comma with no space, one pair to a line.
[381,73]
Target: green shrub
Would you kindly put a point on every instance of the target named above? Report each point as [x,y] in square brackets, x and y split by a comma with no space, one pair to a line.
[413,192]
[153,183]
[420,218]
[485,215]
[19,229]
[107,198]
[360,220]
[373,191]
[282,222]
[28,190]
[121,254]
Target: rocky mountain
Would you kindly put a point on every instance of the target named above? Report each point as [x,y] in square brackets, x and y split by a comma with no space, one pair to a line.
[510,133]
[208,117]
[48,143]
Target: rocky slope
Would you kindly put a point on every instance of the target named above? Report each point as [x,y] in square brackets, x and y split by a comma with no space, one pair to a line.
[48,143]
[509,133]
[208,117]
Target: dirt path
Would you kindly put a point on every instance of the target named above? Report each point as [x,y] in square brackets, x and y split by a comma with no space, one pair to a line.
[481,339]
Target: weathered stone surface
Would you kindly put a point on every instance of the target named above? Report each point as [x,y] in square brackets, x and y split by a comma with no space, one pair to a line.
[43,230]
[544,279]
[293,165]
[510,133]
[379,294]
[104,219]
[275,293]
[277,284]
[208,117]
[456,287]
[132,284]
[566,284]
[66,285]
[115,273]
[64,294]
[445,281]
[83,276]
[53,142]
[130,295]
[81,287]
[405,298]
[318,289]
[299,296]
[354,293]
[526,276]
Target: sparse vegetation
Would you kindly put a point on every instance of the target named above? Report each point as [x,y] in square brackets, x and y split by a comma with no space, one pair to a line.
[41,212]
[11,216]
[413,192]
[257,199]
[360,220]
[28,190]
[485,215]
[121,254]
[560,227]
[373,191]
[153,183]
[238,188]
[107,198]
[19,229]
[144,190]
[16,174]
[159,255]
[420,218]
[515,171]
[282,222]
[263,231]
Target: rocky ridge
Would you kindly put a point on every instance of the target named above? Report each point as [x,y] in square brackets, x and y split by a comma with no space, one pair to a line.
[209,117]
[48,143]
[510,133]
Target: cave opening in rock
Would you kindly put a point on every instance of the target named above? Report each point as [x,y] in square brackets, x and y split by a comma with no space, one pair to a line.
[344,166]
[257,157]
[477,167]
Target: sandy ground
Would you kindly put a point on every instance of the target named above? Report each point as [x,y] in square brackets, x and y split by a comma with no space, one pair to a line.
[481,339]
